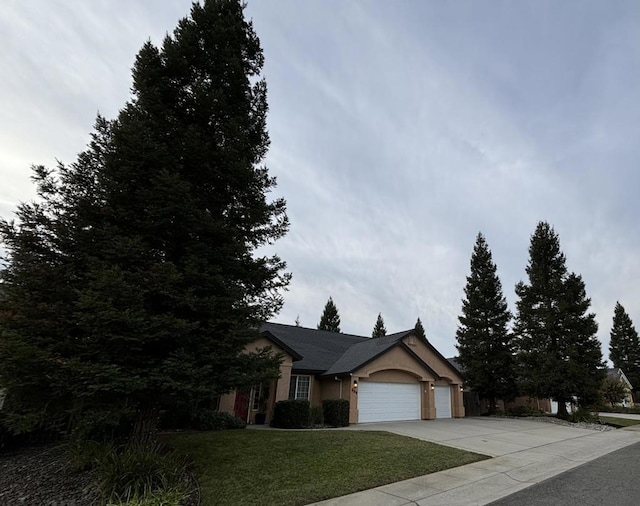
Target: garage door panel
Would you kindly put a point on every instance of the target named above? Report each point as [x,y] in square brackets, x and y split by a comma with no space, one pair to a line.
[443,401]
[386,402]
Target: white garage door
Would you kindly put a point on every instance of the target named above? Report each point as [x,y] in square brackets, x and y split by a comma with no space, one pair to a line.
[388,402]
[443,402]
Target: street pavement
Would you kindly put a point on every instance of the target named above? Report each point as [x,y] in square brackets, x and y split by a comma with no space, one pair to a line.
[610,480]
[525,453]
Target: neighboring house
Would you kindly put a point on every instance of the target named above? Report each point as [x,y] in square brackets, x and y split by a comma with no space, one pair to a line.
[391,378]
[618,374]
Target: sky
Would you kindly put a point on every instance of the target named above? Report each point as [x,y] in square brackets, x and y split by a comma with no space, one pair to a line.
[399,130]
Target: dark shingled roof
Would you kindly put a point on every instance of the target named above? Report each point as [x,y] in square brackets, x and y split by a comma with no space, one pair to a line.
[318,349]
[363,352]
[333,353]
[454,362]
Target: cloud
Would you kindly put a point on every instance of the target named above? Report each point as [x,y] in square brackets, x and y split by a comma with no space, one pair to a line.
[399,130]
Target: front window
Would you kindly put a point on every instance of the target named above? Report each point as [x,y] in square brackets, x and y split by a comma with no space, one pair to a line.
[260,397]
[299,387]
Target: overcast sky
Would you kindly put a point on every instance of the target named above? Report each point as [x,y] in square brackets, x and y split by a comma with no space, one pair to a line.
[399,130]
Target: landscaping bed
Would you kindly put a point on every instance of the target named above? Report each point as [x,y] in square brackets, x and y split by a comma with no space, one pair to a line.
[40,475]
[258,467]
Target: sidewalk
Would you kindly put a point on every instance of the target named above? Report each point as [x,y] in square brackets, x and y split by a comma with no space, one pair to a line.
[486,481]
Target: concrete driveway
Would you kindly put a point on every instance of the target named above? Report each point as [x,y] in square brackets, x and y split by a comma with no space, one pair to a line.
[489,436]
[525,452]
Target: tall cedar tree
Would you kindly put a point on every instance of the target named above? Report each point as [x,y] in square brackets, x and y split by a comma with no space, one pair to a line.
[134,281]
[379,330]
[558,352]
[330,319]
[485,345]
[419,329]
[624,346]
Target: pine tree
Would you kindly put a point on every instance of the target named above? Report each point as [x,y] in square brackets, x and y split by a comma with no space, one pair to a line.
[297,322]
[624,346]
[135,278]
[379,330]
[419,329]
[330,319]
[558,352]
[484,342]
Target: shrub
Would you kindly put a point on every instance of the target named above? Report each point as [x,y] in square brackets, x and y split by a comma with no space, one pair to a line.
[524,411]
[84,455]
[182,417]
[317,416]
[127,474]
[336,412]
[208,419]
[582,415]
[293,414]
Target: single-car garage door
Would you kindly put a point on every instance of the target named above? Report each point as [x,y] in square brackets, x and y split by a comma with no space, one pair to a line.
[443,402]
[388,402]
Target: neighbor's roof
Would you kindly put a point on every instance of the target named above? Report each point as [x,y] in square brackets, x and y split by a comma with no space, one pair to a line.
[617,373]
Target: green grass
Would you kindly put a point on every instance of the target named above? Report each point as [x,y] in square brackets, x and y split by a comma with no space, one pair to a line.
[618,422]
[262,467]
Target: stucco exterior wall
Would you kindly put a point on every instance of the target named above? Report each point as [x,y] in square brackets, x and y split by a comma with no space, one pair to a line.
[449,376]
[391,376]
[395,359]
[278,390]
[334,389]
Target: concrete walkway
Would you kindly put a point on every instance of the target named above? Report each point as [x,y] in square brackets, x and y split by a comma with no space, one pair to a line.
[525,452]
[628,416]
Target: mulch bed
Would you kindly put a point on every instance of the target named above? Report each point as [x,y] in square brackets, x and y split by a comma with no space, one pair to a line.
[40,476]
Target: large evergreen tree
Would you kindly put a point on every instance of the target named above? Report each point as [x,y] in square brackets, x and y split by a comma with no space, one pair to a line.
[624,346]
[558,352]
[484,342]
[135,279]
[419,329]
[379,329]
[330,319]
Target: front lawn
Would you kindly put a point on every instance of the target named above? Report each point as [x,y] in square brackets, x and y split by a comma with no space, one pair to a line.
[614,421]
[262,467]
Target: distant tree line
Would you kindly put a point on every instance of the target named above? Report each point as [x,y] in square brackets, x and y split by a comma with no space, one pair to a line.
[330,321]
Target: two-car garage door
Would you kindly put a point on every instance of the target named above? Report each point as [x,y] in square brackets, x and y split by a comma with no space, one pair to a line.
[389,402]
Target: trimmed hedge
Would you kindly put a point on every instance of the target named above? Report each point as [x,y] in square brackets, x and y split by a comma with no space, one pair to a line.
[317,416]
[336,412]
[291,414]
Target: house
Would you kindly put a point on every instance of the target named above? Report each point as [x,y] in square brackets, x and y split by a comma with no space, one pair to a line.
[619,375]
[397,377]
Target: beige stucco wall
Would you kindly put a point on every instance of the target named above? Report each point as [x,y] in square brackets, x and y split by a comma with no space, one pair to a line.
[334,389]
[395,359]
[397,365]
[391,376]
[278,390]
[441,366]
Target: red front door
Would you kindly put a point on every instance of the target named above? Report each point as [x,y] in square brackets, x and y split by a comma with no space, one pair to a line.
[241,406]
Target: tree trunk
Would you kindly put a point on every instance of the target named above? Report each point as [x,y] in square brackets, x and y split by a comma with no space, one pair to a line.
[492,405]
[562,409]
[145,426]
